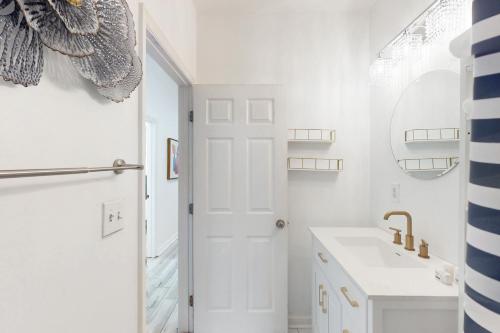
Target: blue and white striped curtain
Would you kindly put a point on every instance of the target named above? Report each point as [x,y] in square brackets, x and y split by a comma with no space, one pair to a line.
[482,269]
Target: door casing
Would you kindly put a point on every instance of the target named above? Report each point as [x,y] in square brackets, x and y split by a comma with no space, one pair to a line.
[151,191]
[150,35]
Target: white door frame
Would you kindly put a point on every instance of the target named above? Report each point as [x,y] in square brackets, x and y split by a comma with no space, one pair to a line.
[151,190]
[151,35]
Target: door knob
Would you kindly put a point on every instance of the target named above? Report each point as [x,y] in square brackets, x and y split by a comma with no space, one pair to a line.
[280,224]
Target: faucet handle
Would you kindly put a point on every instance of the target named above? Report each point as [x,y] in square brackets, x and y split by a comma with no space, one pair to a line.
[397,236]
[424,250]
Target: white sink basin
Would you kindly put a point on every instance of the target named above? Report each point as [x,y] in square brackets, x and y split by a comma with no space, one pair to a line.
[379,267]
[374,252]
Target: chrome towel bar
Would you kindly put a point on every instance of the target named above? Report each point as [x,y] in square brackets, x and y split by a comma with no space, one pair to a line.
[118,167]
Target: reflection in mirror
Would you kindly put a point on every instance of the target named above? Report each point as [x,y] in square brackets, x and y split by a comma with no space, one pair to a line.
[425,132]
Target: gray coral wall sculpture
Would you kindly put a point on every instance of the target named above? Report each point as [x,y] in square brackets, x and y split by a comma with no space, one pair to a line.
[98,36]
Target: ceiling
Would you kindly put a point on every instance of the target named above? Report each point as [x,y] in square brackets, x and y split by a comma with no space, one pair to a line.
[281,5]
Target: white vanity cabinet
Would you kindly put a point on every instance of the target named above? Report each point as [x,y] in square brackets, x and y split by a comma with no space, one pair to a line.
[328,308]
[401,303]
[337,306]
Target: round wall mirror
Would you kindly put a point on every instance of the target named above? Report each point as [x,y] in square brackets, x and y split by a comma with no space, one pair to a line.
[425,126]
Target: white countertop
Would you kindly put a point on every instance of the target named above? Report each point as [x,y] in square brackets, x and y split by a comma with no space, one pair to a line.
[378,282]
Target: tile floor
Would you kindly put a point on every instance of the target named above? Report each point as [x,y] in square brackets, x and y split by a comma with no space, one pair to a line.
[162,294]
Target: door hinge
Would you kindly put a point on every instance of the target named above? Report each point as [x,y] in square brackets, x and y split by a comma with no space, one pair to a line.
[191,300]
[191,209]
[191,116]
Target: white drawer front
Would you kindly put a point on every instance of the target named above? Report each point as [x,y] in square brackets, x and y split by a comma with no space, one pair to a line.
[325,261]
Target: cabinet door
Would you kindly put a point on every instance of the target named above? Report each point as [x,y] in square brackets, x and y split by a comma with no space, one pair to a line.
[348,324]
[327,307]
[334,312]
[351,323]
[353,311]
[321,303]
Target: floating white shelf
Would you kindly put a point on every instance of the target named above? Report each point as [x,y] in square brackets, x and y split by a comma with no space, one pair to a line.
[432,164]
[311,135]
[432,135]
[315,164]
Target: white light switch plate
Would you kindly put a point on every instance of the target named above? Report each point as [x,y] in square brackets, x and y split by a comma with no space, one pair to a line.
[112,217]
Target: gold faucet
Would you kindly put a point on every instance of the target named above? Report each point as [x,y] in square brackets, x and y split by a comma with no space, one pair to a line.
[409,225]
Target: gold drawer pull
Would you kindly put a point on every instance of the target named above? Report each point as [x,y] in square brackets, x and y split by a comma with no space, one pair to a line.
[321,300]
[345,292]
[322,257]
[345,331]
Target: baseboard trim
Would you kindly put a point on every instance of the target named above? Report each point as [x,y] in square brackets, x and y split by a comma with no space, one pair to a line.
[299,322]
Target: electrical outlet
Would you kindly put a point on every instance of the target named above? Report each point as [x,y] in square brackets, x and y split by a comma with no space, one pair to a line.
[112,217]
[396,193]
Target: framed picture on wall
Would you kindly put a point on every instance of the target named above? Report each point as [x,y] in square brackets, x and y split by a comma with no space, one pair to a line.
[172,159]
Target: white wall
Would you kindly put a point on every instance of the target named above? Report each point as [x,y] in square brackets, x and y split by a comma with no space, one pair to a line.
[162,109]
[434,204]
[177,19]
[322,59]
[57,274]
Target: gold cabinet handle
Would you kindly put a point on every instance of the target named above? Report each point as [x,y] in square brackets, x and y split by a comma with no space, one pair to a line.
[345,331]
[324,307]
[321,300]
[322,257]
[351,301]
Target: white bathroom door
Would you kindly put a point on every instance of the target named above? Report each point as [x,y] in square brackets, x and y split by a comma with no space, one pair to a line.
[240,196]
